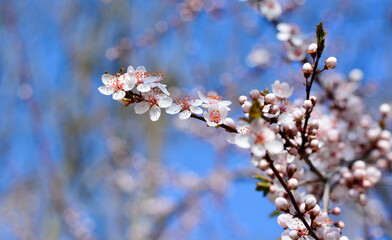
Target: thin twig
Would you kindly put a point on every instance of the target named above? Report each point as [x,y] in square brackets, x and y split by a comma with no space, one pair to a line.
[284,185]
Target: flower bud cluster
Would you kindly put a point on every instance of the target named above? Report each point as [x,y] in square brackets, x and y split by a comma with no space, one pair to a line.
[316,218]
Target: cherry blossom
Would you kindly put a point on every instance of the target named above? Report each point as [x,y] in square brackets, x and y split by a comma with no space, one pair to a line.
[213,98]
[147,81]
[117,85]
[282,90]
[153,102]
[215,114]
[185,106]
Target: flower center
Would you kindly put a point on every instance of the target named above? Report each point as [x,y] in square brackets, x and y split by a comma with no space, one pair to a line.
[215,116]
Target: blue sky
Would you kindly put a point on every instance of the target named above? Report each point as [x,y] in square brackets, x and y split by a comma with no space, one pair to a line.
[58,50]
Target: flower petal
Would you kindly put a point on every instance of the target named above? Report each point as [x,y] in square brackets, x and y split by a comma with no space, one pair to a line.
[129,85]
[274,146]
[143,87]
[123,78]
[173,109]
[119,95]
[185,114]
[155,113]
[165,101]
[141,69]
[196,102]
[258,150]
[108,79]
[196,110]
[131,69]
[105,90]
[142,107]
[163,89]
[202,97]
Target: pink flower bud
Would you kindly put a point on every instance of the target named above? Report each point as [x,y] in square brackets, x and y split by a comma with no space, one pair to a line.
[310,202]
[246,106]
[263,165]
[297,115]
[307,69]
[313,124]
[291,169]
[307,105]
[274,109]
[314,144]
[330,62]
[292,183]
[312,48]
[315,211]
[270,98]
[385,109]
[359,165]
[254,94]
[340,224]
[242,99]
[282,204]
[336,211]
[313,99]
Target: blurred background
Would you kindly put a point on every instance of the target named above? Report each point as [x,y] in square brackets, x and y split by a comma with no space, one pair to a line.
[77,165]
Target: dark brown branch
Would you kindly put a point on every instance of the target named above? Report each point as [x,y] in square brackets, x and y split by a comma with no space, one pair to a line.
[284,185]
[227,128]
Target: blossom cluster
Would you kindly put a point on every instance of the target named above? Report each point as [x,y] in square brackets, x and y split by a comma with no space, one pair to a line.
[316,151]
[145,90]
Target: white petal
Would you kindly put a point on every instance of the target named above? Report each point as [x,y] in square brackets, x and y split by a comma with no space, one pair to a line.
[163,89]
[143,87]
[258,150]
[131,69]
[129,85]
[155,113]
[196,110]
[284,27]
[224,103]
[105,90]
[202,97]
[185,114]
[274,146]
[107,79]
[123,78]
[196,102]
[173,109]
[283,36]
[142,107]
[243,140]
[209,123]
[141,69]
[165,101]
[119,95]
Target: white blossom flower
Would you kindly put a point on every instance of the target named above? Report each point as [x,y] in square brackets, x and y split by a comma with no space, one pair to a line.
[185,106]
[213,98]
[153,102]
[116,85]
[259,138]
[147,81]
[289,32]
[270,9]
[215,115]
[282,90]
